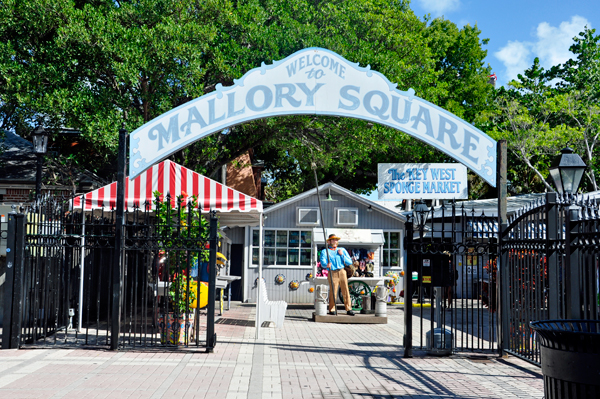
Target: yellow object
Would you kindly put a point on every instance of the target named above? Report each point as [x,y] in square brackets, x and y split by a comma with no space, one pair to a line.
[221,302]
[427,279]
[415,305]
[219,261]
[203,294]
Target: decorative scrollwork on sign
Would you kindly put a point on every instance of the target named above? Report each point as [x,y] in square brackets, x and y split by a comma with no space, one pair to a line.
[294,284]
[279,279]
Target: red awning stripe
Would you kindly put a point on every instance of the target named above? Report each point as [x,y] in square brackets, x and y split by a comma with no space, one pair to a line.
[217,200]
[98,199]
[206,195]
[230,200]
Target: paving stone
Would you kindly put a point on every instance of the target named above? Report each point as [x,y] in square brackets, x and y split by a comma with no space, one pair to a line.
[302,360]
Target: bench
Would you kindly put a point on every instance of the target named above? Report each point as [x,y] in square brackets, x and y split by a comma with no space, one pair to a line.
[271,310]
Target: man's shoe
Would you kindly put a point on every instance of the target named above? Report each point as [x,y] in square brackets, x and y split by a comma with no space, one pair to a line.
[331,313]
[350,313]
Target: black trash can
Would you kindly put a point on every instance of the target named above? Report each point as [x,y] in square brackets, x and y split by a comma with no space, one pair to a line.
[570,357]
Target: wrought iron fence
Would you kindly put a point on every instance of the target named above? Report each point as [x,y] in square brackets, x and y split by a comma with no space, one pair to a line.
[550,262]
[450,285]
[67,265]
[166,281]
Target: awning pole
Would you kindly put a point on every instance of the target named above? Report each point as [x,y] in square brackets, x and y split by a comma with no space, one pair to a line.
[81,271]
[260,266]
[314,168]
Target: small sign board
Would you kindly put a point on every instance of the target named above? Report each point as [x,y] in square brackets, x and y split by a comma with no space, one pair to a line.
[422,181]
[426,279]
[426,262]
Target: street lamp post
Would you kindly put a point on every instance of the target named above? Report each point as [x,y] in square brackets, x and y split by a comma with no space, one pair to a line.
[420,214]
[40,145]
[419,218]
[567,171]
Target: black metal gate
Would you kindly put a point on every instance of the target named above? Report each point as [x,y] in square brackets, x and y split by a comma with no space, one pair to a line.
[62,264]
[550,258]
[450,286]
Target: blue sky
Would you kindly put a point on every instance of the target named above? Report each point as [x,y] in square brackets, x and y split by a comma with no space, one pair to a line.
[519,31]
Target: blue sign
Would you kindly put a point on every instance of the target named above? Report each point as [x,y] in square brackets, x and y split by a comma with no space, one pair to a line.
[320,82]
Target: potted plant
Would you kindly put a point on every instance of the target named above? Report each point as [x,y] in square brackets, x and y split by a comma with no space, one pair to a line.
[182,234]
[177,324]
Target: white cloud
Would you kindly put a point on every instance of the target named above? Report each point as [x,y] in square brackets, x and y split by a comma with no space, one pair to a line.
[438,7]
[516,58]
[551,46]
[553,43]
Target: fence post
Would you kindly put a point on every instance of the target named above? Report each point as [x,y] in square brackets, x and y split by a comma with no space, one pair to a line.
[117,280]
[504,299]
[408,239]
[552,230]
[13,283]
[211,337]
[501,186]
[572,269]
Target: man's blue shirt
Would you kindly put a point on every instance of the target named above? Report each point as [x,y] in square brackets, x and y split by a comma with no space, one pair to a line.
[337,261]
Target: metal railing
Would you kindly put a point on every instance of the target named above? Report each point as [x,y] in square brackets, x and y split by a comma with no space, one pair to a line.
[64,268]
[550,258]
[450,285]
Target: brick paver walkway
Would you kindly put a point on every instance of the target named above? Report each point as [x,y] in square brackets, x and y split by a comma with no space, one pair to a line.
[302,360]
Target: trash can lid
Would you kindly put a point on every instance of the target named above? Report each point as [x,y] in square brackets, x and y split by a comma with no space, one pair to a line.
[569,335]
[567,326]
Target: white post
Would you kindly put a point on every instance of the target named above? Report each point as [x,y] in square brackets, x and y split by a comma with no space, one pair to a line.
[260,266]
[82,260]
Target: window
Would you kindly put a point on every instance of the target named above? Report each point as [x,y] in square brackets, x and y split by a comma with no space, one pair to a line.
[346,216]
[283,247]
[391,249]
[308,216]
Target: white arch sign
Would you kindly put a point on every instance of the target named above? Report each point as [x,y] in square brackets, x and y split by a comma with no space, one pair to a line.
[313,81]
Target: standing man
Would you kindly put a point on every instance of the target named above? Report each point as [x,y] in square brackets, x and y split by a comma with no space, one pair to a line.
[338,258]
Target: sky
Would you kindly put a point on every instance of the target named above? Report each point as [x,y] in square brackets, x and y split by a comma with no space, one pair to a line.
[519,31]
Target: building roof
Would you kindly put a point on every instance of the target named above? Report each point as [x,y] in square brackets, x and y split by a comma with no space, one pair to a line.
[17,159]
[489,207]
[340,190]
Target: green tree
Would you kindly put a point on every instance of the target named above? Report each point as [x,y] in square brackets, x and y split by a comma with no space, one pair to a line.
[94,65]
[521,116]
[579,89]
[544,110]
[98,64]
[461,84]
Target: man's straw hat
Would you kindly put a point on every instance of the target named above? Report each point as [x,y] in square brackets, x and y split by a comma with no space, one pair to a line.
[333,237]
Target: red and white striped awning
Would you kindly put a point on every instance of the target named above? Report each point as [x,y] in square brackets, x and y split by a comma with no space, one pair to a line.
[169,177]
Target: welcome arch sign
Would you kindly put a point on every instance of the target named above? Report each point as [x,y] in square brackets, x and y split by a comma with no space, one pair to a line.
[320,82]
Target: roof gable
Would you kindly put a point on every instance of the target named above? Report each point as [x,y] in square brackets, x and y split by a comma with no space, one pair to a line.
[325,188]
